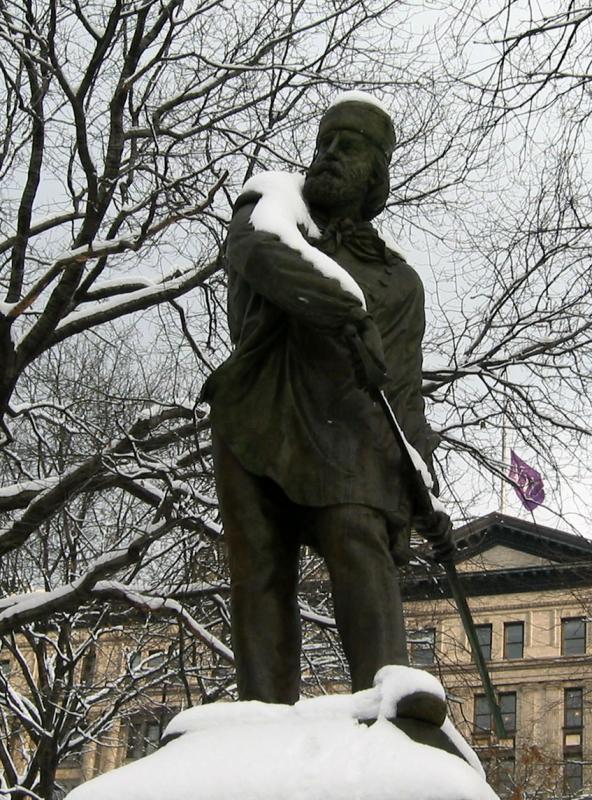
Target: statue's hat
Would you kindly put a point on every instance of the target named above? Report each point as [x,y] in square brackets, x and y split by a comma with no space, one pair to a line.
[362,113]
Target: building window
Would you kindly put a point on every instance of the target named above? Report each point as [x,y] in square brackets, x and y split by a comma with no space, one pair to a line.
[500,773]
[64,786]
[143,736]
[573,637]
[483,718]
[422,646]
[134,661]
[573,709]
[507,703]
[513,640]
[156,659]
[87,672]
[144,732]
[572,776]
[484,637]
[74,753]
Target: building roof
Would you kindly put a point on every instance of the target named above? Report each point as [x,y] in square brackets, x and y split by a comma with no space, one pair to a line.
[499,554]
[518,534]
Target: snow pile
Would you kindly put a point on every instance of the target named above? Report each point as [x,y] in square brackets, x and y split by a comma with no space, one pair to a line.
[315,750]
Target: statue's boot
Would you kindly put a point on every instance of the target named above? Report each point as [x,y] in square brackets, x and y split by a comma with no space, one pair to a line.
[422,706]
[417,707]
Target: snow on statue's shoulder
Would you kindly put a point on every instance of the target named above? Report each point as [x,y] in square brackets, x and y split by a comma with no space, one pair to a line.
[314,750]
[281,210]
[285,190]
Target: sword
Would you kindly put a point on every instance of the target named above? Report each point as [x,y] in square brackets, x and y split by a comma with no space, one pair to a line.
[424,502]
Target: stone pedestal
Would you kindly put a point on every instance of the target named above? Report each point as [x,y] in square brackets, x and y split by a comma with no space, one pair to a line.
[338,747]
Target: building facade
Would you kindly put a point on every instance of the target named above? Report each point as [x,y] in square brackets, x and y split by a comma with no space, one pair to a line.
[530,592]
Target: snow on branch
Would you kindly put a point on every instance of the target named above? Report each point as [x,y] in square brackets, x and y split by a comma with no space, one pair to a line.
[53,494]
[25,609]
[19,495]
[43,333]
[41,226]
[160,605]
[322,620]
[127,302]
[39,605]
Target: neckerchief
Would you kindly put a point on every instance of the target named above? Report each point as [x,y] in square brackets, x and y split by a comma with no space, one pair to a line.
[360,238]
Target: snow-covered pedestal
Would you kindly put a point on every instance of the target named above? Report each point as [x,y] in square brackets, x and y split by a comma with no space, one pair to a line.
[320,749]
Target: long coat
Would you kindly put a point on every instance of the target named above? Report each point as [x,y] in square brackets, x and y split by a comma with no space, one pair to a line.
[286,400]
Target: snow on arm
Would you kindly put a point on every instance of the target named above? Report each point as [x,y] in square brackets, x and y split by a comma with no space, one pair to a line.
[281,210]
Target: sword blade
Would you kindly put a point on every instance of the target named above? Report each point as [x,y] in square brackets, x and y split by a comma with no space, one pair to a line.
[423,499]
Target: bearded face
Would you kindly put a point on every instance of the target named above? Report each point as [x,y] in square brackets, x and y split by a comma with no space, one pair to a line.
[339,177]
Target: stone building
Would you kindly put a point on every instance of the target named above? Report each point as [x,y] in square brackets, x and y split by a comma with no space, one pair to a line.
[530,592]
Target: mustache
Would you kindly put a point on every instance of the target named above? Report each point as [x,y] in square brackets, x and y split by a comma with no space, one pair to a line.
[326,165]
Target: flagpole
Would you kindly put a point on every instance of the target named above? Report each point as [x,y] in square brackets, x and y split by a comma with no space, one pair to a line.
[504,460]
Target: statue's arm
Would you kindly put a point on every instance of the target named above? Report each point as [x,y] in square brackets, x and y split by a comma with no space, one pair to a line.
[283,276]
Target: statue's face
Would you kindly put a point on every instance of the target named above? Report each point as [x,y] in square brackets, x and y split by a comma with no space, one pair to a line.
[339,177]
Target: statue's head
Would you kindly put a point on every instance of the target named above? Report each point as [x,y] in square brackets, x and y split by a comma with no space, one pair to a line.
[349,172]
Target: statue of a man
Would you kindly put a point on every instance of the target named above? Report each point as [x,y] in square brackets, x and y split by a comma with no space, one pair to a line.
[302,452]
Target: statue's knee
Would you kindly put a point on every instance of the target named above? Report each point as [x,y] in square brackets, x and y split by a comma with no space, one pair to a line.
[265,578]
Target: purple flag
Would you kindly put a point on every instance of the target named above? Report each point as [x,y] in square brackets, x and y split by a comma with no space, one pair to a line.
[528,483]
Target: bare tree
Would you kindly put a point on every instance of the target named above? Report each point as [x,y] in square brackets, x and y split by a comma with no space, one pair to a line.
[76,666]
[128,132]
[129,129]
[510,345]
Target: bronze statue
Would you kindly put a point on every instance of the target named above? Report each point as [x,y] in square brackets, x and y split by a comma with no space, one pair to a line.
[302,452]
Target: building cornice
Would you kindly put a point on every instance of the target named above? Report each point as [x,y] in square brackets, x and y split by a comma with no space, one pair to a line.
[434,586]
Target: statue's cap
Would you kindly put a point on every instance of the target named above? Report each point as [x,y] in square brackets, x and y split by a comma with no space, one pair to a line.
[362,113]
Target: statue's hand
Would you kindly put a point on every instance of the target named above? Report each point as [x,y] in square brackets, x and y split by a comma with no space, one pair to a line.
[367,354]
[437,530]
